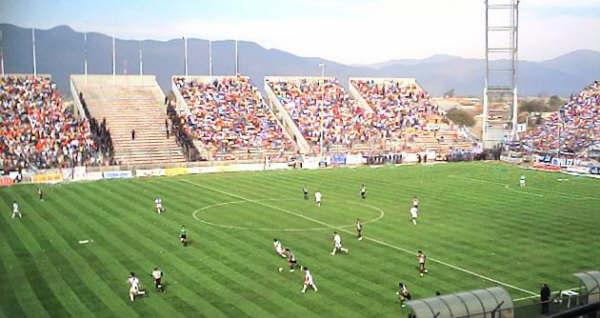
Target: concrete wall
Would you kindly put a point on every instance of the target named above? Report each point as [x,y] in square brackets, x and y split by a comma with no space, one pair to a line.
[360,101]
[117,80]
[78,109]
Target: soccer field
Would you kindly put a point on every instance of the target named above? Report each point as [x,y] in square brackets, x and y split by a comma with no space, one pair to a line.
[477,228]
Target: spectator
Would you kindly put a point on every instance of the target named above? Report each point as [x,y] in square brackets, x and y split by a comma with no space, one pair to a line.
[545,298]
[325,113]
[181,136]
[167,127]
[403,111]
[100,134]
[133,134]
[41,133]
[574,128]
[228,116]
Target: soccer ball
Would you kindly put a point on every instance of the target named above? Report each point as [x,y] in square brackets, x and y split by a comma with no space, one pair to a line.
[280,269]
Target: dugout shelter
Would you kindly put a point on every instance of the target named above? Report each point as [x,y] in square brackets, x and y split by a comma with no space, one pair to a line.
[590,286]
[482,303]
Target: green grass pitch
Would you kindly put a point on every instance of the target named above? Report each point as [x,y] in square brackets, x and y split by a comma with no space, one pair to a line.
[476,226]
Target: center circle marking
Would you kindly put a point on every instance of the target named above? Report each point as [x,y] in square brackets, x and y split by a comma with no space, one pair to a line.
[199,211]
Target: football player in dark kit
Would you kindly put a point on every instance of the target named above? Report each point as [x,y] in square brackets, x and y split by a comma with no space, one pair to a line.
[359,230]
[40,193]
[305,191]
[183,238]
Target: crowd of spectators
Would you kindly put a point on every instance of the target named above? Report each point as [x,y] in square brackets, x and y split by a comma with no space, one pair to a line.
[321,105]
[100,134]
[227,115]
[400,107]
[36,130]
[181,136]
[575,127]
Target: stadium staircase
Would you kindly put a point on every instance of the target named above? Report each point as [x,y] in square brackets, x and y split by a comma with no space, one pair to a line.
[131,102]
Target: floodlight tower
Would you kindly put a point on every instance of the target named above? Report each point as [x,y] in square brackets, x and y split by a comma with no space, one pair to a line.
[500,92]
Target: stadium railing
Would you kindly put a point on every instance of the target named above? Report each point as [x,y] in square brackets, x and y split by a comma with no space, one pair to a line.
[560,305]
[560,302]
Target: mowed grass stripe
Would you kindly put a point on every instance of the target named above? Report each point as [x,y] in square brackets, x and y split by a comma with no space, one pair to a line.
[471,221]
[327,239]
[230,282]
[51,293]
[118,221]
[125,260]
[9,302]
[533,234]
[89,261]
[200,238]
[359,284]
[65,219]
[265,244]
[522,221]
[56,249]
[240,196]
[213,241]
[105,260]
[413,274]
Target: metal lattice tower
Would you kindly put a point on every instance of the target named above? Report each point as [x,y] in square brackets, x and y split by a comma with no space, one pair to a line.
[500,92]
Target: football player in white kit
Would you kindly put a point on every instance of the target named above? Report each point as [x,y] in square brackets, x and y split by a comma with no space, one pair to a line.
[337,244]
[157,276]
[16,211]
[416,202]
[318,198]
[308,281]
[134,286]
[414,213]
[279,250]
[158,203]
[522,182]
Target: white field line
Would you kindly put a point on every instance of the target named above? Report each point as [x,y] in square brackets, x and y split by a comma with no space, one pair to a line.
[525,298]
[562,194]
[506,186]
[243,228]
[366,237]
[530,297]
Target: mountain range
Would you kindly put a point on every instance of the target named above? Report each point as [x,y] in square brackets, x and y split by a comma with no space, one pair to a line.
[60,52]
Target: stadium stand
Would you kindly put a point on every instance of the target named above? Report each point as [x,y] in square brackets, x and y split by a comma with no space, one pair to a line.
[405,113]
[318,104]
[573,129]
[37,131]
[229,118]
[181,136]
[127,104]
[100,133]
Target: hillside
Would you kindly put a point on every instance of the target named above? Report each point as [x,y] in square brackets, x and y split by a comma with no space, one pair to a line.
[60,53]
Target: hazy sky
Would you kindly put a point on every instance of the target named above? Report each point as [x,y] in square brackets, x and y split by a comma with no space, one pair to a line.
[348,31]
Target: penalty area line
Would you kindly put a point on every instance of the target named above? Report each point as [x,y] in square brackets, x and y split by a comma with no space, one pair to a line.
[458,268]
